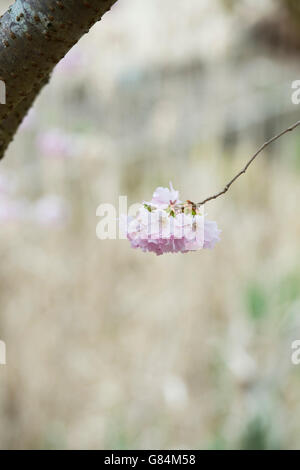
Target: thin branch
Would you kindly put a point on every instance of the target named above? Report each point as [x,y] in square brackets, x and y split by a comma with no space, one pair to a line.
[289,129]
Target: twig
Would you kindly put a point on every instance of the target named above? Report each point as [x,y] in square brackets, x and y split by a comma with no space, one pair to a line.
[289,129]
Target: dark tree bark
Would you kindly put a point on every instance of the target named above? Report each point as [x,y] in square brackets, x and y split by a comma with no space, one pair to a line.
[34,36]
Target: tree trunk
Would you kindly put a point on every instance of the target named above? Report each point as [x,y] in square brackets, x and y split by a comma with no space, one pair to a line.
[34,36]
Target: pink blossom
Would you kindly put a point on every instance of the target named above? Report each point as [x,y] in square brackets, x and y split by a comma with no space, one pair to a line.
[211,234]
[55,143]
[165,225]
[162,197]
[13,210]
[51,210]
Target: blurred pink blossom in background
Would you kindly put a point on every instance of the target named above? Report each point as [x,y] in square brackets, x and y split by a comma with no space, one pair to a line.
[56,143]
[48,210]
[13,210]
[51,210]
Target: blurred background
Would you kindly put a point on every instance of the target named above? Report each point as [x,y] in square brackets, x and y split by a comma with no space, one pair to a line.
[108,347]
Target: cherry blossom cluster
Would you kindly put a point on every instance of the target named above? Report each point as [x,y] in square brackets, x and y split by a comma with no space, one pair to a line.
[168,225]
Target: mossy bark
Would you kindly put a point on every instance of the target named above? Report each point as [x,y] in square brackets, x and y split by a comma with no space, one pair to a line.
[34,36]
